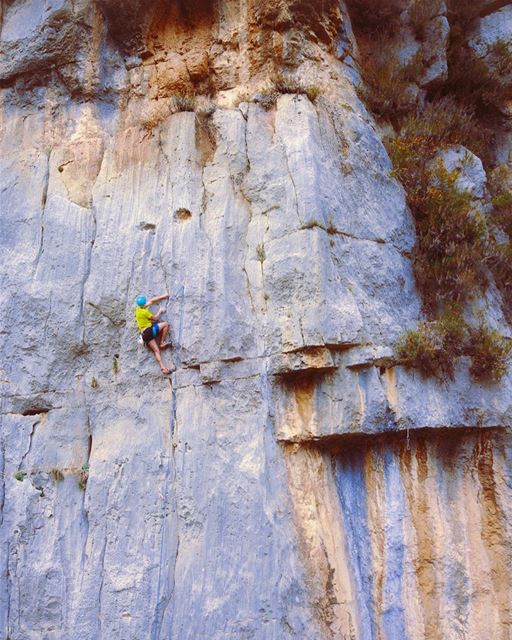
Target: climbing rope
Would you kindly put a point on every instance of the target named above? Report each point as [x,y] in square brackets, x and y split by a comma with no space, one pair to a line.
[179,295]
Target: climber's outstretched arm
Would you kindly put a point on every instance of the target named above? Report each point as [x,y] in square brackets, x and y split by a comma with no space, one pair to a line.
[155,300]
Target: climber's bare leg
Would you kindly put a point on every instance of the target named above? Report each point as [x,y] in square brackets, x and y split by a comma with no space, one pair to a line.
[163,330]
[152,344]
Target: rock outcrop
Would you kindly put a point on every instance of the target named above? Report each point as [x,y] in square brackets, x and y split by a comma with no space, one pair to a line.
[293,481]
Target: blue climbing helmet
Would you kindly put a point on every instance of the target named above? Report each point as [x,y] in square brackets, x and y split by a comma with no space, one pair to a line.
[140,301]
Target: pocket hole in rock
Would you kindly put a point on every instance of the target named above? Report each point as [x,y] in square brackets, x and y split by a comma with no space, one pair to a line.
[35,411]
[182,214]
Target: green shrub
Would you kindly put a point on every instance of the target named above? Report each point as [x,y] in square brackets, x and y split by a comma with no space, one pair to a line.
[452,237]
[83,477]
[501,267]
[490,354]
[20,475]
[502,200]
[482,84]
[455,244]
[452,247]
[500,184]
[500,262]
[388,82]
[421,349]
[453,330]
[432,347]
[502,211]
[442,123]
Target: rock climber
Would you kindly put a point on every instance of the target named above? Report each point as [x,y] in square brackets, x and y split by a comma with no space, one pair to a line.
[153,333]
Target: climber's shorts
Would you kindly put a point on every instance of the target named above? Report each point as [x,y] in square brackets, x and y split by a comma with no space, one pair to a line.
[149,333]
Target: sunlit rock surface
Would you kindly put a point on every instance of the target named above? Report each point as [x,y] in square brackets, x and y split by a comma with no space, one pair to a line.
[291,482]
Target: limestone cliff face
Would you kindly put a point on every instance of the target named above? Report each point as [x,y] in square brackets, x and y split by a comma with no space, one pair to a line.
[291,482]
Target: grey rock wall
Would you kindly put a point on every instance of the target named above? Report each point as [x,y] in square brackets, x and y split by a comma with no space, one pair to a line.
[233,502]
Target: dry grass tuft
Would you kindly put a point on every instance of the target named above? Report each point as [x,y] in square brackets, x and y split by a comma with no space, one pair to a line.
[279,85]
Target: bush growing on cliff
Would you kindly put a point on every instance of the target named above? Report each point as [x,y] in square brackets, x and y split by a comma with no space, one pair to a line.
[450,258]
[260,252]
[432,347]
[502,210]
[499,184]
[483,84]
[442,123]
[421,349]
[452,237]
[501,267]
[490,354]
[83,477]
[480,83]
[452,243]
[387,84]
[457,246]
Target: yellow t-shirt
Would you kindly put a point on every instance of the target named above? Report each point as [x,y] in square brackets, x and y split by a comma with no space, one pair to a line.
[143,317]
